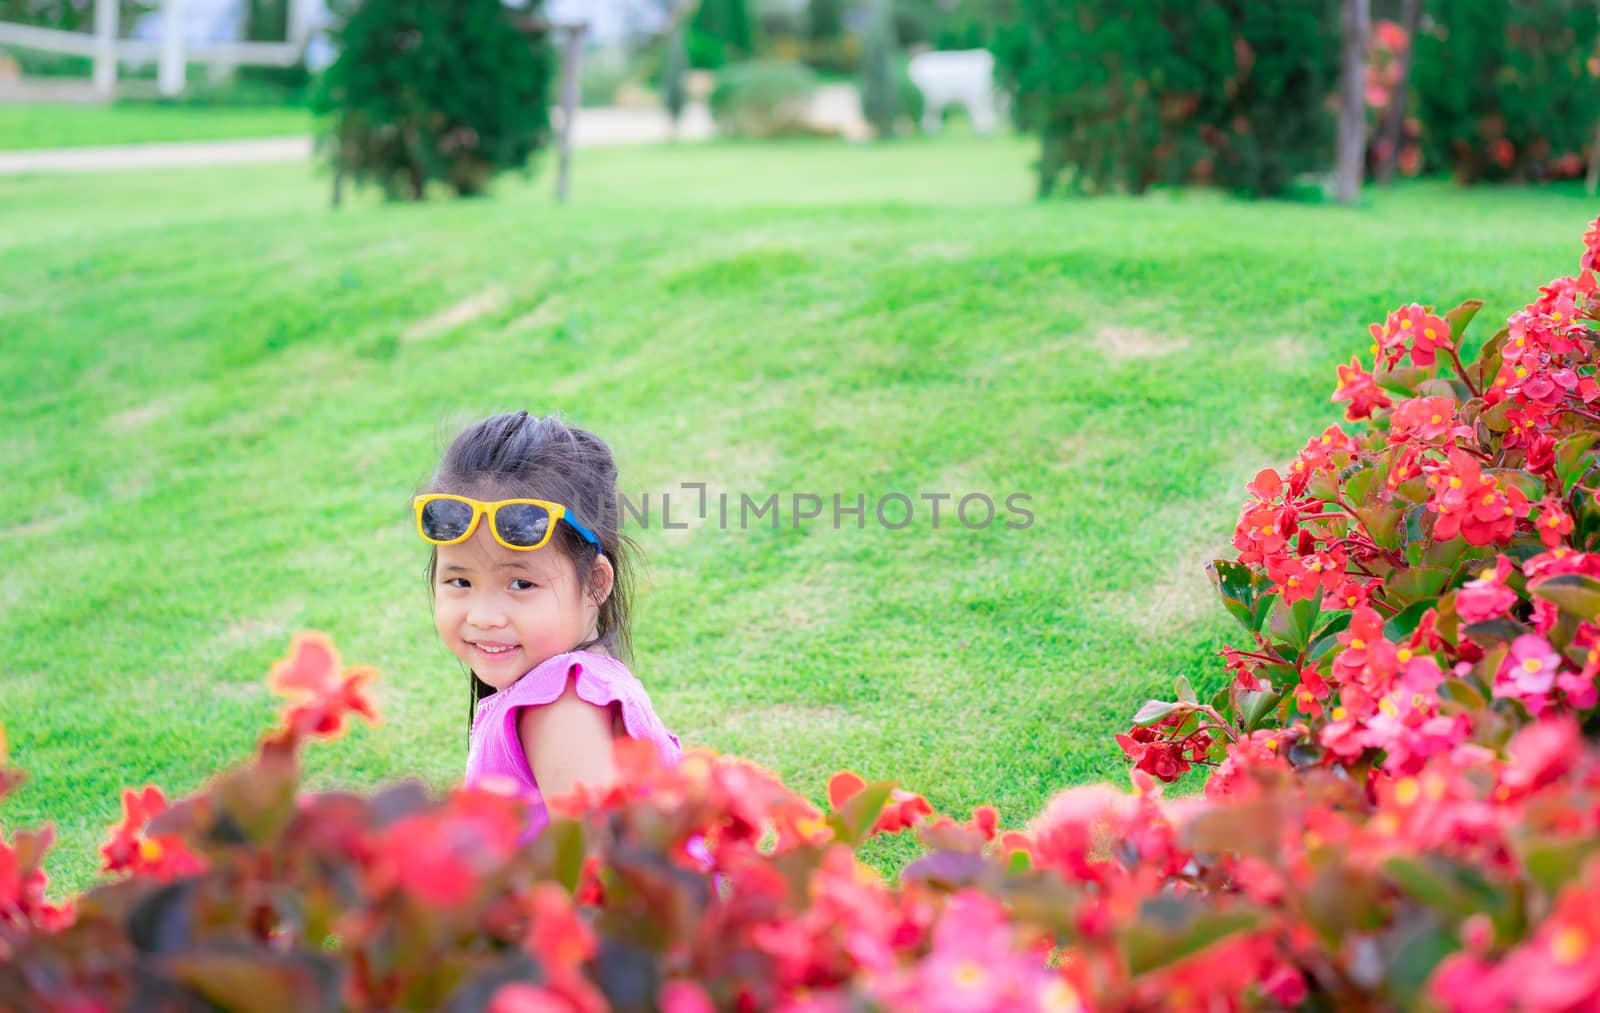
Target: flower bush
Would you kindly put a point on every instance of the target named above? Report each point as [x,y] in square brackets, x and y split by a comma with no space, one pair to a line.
[1402,808]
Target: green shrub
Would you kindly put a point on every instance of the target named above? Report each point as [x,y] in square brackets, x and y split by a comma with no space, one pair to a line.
[720,33]
[67,15]
[1125,97]
[1505,90]
[434,92]
[767,98]
[33,63]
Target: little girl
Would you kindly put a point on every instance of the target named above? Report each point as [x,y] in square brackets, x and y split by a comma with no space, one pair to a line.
[530,580]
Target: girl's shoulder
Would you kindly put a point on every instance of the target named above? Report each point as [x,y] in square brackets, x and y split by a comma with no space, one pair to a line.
[598,679]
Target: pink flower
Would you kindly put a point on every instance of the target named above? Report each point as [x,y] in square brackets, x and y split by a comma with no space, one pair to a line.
[1487,596]
[1528,673]
[520,997]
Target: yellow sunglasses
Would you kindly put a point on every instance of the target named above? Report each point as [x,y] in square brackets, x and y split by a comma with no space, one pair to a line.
[523,524]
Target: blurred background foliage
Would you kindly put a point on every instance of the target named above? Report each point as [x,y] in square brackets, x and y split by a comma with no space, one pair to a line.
[1121,98]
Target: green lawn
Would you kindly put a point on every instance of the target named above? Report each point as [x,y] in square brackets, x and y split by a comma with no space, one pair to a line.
[217,397]
[37,125]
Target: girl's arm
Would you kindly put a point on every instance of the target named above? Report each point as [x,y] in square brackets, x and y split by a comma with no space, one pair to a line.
[567,742]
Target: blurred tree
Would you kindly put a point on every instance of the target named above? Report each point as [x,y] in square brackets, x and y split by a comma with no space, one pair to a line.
[675,73]
[1125,96]
[1505,90]
[825,19]
[67,15]
[880,83]
[424,91]
[721,33]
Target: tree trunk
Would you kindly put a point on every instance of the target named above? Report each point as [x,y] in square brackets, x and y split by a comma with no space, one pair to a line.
[571,56]
[1394,118]
[1352,106]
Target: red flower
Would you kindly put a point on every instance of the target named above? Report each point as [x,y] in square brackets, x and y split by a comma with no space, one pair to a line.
[1163,758]
[1555,524]
[1360,388]
[22,887]
[439,857]
[1367,656]
[1427,420]
[326,694]
[1470,504]
[1591,247]
[162,857]
[985,820]
[1414,328]
[1301,577]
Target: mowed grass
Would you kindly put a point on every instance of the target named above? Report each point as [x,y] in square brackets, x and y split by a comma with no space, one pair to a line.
[217,398]
[34,125]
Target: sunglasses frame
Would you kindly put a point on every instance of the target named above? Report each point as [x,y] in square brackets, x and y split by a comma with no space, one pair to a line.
[481,509]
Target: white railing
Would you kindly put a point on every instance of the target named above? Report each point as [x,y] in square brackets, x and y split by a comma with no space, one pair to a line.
[171,52]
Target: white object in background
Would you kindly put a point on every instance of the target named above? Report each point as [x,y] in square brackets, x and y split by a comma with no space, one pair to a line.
[170,77]
[963,77]
[106,14]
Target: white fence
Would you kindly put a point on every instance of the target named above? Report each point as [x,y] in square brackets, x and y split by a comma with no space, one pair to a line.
[172,52]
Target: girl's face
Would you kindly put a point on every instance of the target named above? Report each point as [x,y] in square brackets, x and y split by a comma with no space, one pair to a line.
[503,611]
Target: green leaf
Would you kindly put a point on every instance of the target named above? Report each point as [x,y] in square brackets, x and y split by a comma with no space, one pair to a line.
[1169,929]
[1463,692]
[1448,553]
[1450,887]
[1495,417]
[1243,591]
[1554,863]
[1441,387]
[1382,522]
[1360,482]
[565,839]
[854,820]
[1460,317]
[1417,582]
[1415,951]
[1573,458]
[1571,592]
[252,980]
[1491,631]
[1532,486]
[1403,379]
[1184,690]
[1255,705]
[1303,617]
[1341,901]
[1403,623]
[1153,711]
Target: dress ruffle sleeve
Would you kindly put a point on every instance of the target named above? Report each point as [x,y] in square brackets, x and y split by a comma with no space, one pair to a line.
[600,680]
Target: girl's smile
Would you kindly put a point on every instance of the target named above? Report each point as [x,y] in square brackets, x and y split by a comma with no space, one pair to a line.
[503,611]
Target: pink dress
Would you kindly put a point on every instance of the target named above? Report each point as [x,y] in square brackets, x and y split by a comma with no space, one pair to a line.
[496,751]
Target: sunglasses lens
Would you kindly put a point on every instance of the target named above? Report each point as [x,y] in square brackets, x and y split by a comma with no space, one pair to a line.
[445,520]
[522,524]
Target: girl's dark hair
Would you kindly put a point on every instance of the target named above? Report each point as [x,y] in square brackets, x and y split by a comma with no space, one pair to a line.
[516,456]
